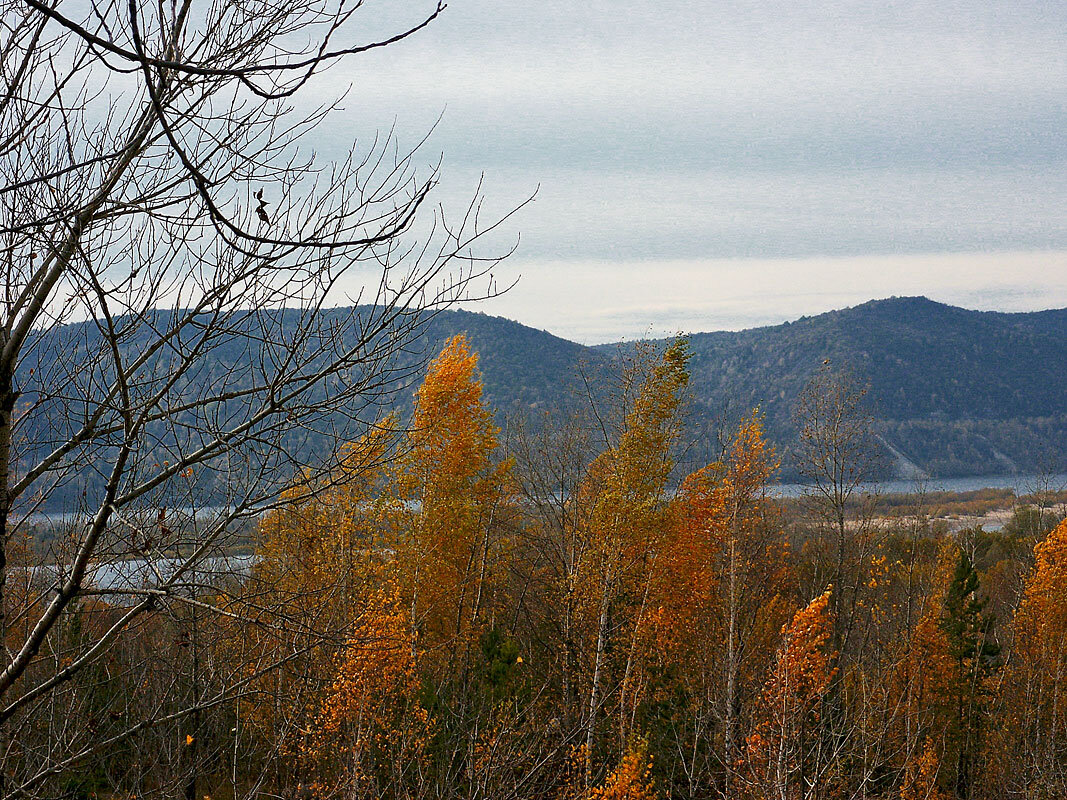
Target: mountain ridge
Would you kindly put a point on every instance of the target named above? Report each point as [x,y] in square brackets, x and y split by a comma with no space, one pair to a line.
[954,392]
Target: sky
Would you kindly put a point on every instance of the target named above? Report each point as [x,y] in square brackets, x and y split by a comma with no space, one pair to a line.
[710,165]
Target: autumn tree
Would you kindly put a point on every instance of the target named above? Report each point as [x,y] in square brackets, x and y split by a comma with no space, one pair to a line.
[314,552]
[1032,746]
[920,775]
[453,495]
[318,565]
[724,564]
[450,504]
[748,541]
[921,685]
[371,728]
[786,752]
[630,780]
[941,687]
[621,515]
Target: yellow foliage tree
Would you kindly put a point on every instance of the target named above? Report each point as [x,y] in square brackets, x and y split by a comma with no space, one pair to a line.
[921,686]
[450,497]
[317,544]
[920,775]
[724,568]
[621,515]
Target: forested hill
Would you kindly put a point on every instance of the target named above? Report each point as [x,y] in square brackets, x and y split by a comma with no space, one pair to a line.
[923,359]
[955,392]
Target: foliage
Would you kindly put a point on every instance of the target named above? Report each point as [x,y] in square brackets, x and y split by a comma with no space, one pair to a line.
[449,498]
[433,619]
[920,776]
[783,752]
[630,780]
[371,729]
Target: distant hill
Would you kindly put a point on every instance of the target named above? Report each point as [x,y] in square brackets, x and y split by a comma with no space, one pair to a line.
[954,392]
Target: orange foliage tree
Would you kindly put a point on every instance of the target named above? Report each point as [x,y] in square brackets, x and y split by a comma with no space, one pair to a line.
[630,780]
[921,773]
[723,574]
[921,689]
[316,563]
[1033,744]
[785,755]
[314,549]
[449,515]
[371,729]
[942,683]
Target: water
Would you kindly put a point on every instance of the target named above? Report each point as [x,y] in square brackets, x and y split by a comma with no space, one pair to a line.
[142,574]
[1020,484]
[181,514]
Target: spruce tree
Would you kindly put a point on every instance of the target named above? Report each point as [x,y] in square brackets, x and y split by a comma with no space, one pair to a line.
[976,656]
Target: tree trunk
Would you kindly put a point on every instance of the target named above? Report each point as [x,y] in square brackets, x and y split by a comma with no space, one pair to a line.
[594,690]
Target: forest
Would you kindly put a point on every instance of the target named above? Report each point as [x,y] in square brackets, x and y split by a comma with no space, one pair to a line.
[229,246]
[549,609]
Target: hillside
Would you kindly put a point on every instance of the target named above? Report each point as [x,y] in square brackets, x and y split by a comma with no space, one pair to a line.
[957,392]
[954,392]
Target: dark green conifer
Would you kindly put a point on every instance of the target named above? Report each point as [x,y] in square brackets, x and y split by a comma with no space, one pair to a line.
[977,656]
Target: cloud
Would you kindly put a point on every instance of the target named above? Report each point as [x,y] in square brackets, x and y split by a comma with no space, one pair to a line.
[640,214]
[749,84]
[681,132]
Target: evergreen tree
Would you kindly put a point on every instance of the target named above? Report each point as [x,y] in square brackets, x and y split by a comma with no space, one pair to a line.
[975,655]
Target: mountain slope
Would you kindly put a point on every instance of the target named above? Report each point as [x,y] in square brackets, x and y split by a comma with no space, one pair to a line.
[954,392]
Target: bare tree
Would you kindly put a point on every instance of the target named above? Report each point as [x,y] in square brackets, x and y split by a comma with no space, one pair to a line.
[170,252]
[837,455]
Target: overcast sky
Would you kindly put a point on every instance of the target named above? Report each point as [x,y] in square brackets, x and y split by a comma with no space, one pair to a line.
[704,165]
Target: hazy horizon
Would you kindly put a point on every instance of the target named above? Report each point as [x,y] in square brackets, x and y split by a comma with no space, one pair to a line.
[616,301]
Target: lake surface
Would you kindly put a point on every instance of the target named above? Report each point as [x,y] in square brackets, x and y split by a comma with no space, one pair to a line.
[180,514]
[141,574]
[1021,484]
